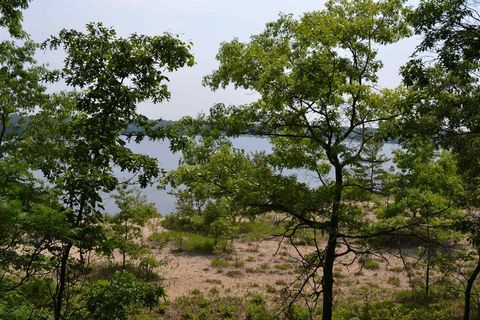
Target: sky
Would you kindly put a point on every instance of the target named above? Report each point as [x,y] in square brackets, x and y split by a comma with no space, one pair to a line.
[206,23]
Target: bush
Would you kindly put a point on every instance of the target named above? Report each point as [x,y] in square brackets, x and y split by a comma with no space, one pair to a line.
[107,271]
[184,241]
[299,312]
[196,243]
[305,237]
[255,230]
[371,265]
[28,302]
[149,263]
[121,297]
[394,281]
[283,266]
[162,239]
[219,263]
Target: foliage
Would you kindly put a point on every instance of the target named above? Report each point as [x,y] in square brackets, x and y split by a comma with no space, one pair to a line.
[427,183]
[427,195]
[29,302]
[315,77]
[369,174]
[29,215]
[371,265]
[441,103]
[121,297]
[390,310]
[21,91]
[219,263]
[211,176]
[254,307]
[185,241]
[320,106]
[80,140]
[258,229]
[197,307]
[127,225]
[30,223]
[11,16]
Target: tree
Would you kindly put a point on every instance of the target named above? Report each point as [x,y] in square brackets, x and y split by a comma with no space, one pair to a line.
[21,90]
[369,172]
[30,223]
[212,178]
[450,28]
[442,103]
[127,225]
[427,194]
[11,16]
[471,226]
[27,206]
[80,141]
[315,77]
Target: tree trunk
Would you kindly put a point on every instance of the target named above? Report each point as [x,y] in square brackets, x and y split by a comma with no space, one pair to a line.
[428,251]
[330,255]
[427,275]
[468,289]
[125,239]
[62,276]
[62,282]
[327,280]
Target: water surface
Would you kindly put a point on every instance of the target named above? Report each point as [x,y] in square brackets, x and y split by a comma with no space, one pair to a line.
[165,203]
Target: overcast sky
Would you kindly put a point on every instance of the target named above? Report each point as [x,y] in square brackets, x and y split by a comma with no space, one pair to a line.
[206,23]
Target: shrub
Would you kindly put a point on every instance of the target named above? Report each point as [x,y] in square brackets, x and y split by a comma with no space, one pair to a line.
[233,273]
[161,239]
[280,282]
[255,230]
[269,288]
[238,263]
[28,302]
[184,241]
[371,265]
[282,266]
[394,281]
[219,263]
[121,297]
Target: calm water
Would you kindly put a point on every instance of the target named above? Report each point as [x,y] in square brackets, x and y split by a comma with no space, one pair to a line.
[164,202]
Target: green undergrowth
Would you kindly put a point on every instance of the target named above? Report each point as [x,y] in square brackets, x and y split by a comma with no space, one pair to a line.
[403,305]
[213,307]
[387,310]
[28,302]
[265,228]
[192,236]
[443,303]
[188,242]
[106,271]
[257,230]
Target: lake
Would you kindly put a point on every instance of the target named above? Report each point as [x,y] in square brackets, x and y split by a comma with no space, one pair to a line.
[164,202]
